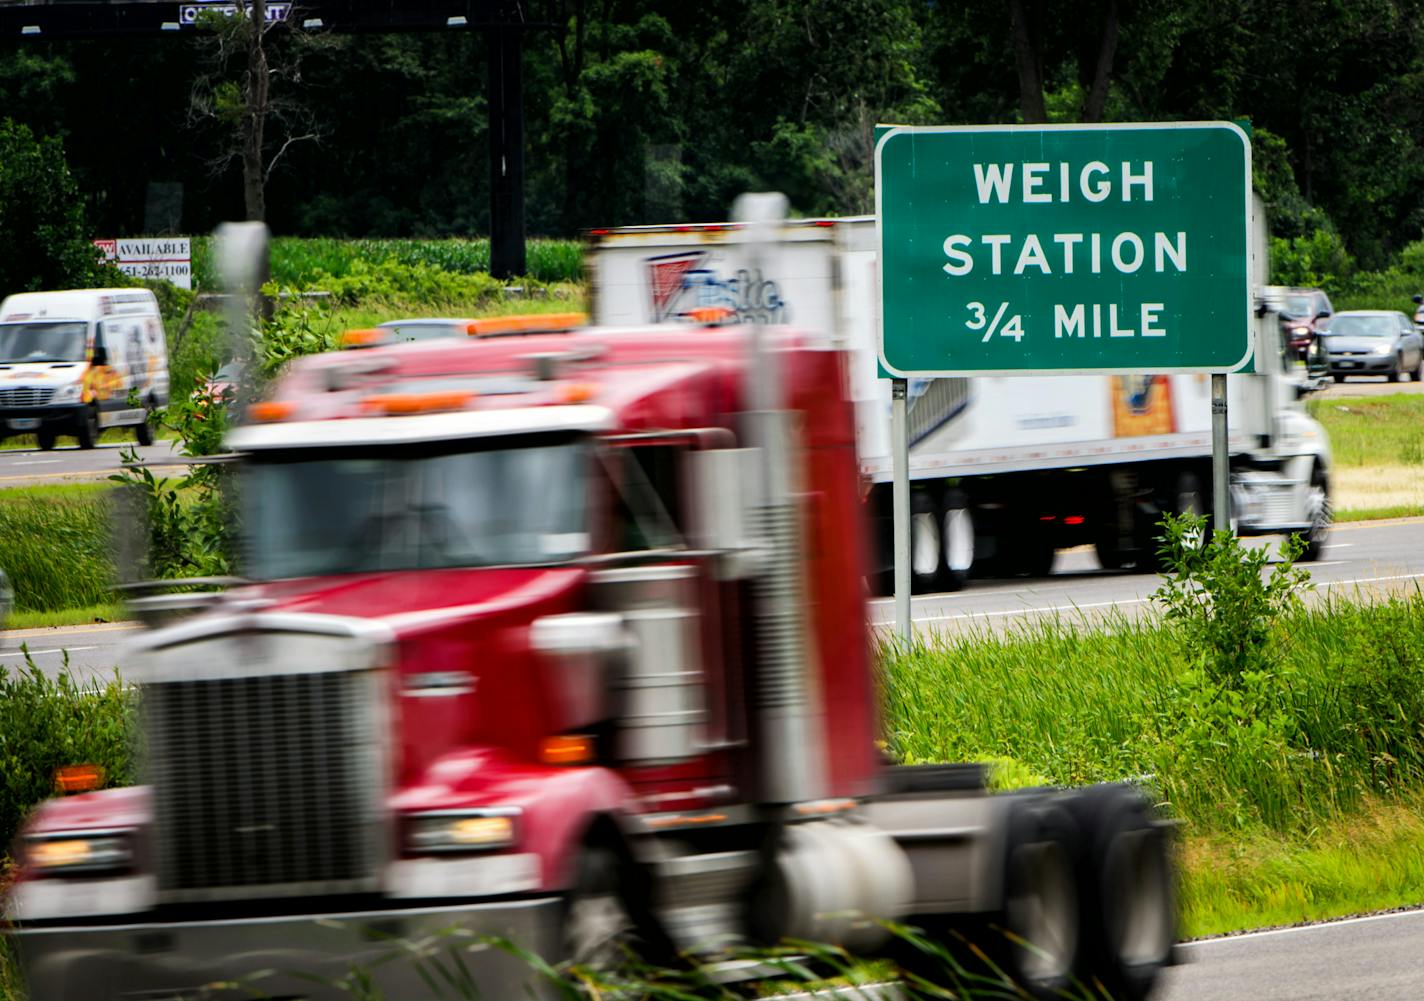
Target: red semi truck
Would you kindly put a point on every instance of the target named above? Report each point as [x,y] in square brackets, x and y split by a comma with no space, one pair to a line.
[533,646]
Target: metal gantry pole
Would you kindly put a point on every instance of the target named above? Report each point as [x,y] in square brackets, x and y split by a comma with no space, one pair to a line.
[900,508]
[1220,461]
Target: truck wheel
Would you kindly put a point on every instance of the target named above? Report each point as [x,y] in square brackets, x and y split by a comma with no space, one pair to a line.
[1397,370]
[143,432]
[1040,915]
[45,438]
[1317,509]
[601,927]
[88,430]
[1128,906]
[1033,939]
[1338,378]
[957,535]
[926,552]
[1109,555]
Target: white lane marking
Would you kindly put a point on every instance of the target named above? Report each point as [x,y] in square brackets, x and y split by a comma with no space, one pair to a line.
[1328,563]
[36,653]
[37,462]
[1371,580]
[1123,601]
[1220,939]
[1340,545]
[1020,611]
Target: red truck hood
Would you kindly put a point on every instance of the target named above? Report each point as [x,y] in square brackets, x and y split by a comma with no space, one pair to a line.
[414,600]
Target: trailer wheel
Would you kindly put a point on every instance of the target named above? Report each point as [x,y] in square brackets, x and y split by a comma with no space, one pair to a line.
[926,551]
[1128,908]
[957,535]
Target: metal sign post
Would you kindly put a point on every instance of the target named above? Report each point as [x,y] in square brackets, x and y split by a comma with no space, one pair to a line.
[1220,484]
[900,452]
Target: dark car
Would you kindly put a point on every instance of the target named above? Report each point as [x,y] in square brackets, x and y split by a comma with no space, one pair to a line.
[1374,342]
[1305,312]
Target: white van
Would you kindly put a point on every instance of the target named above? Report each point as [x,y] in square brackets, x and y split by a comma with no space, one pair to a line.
[78,361]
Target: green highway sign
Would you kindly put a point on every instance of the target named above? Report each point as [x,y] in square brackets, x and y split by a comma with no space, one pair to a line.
[1025,250]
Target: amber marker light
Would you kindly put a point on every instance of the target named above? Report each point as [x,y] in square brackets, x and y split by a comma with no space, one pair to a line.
[566,749]
[78,778]
[269,411]
[368,338]
[397,404]
[532,323]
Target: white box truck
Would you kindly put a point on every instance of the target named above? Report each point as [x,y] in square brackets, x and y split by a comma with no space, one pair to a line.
[79,361]
[1005,471]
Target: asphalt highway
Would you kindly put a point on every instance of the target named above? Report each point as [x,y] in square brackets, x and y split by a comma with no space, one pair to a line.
[28,467]
[1362,557]
[1376,958]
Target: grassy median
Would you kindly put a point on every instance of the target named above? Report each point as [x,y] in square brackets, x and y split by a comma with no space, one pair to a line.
[1378,446]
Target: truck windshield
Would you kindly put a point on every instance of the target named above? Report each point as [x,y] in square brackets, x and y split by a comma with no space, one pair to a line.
[20,342]
[310,513]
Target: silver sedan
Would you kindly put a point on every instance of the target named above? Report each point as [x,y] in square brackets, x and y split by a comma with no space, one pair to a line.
[1374,342]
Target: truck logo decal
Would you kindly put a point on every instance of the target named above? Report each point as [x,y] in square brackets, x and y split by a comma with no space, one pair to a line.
[680,283]
[665,275]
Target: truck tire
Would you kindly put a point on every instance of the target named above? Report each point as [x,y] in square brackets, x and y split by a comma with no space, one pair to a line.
[1398,369]
[957,541]
[607,912]
[45,439]
[1127,914]
[1033,938]
[143,431]
[926,549]
[1317,507]
[88,430]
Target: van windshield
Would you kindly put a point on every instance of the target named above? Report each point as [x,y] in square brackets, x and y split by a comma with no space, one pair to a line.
[42,341]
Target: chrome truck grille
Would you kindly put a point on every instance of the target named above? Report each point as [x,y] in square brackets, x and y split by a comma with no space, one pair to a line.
[26,396]
[266,783]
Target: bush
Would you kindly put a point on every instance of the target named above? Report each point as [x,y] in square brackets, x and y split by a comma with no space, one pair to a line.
[43,244]
[51,722]
[55,547]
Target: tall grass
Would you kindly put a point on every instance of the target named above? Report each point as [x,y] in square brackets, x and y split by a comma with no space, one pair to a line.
[54,545]
[297,261]
[1374,430]
[1075,705]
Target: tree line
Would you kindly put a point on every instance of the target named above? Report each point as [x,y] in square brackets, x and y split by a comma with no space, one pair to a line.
[647,111]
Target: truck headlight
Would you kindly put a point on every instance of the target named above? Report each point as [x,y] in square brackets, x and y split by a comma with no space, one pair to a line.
[459,831]
[1382,349]
[85,852]
[69,393]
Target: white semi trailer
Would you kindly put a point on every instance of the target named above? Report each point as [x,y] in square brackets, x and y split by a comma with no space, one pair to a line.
[1005,471]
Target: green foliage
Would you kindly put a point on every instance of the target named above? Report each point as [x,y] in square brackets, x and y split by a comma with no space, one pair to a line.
[306,263]
[1218,594]
[190,519]
[43,243]
[1317,259]
[52,722]
[54,545]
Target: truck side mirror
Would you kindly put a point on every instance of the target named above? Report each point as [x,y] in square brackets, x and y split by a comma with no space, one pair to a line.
[101,353]
[1419,299]
[724,490]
